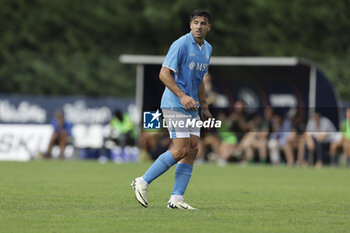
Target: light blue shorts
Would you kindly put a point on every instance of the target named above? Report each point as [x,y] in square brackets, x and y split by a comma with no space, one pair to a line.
[179,124]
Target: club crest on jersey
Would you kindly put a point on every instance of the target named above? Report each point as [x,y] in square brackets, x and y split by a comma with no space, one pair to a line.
[198,66]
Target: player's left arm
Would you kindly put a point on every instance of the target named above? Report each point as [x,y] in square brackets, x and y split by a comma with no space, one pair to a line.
[205,114]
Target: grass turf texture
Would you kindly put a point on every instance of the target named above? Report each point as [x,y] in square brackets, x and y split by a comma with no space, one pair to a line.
[53,196]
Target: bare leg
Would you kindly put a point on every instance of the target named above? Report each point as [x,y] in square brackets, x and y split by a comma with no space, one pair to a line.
[180,148]
[288,149]
[333,152]
[346,146]
[262,147]
[301,149]
[311,147]
[193,150]
[52,142]
[211,141]
[247,147]
[62,143]
[226,150]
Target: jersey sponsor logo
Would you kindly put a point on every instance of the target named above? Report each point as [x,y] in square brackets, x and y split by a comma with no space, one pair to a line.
[198,66]
[192,65]
[191,54]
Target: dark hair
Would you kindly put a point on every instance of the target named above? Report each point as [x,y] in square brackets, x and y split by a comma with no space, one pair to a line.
[118,113]
[201,12]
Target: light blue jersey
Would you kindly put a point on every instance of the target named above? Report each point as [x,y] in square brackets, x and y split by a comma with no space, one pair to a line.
[189,63]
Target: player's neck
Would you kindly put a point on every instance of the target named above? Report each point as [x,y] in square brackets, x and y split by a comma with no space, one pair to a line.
[199,42]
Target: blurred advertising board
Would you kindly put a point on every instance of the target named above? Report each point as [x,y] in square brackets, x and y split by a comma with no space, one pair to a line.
[25,122]
[23,142]
[78,110]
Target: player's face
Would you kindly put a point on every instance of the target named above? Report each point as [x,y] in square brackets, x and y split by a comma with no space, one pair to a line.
[348,113]
[317,117]
[60,120]
[199,27]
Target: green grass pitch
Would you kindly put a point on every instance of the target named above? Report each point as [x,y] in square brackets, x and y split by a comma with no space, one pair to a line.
[80,196]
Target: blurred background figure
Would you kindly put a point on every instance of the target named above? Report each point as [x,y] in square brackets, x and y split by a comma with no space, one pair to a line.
[344,143]
[254,140]
[239,120]
[121,138]
[296,138]
[209,142]
[237,123]
[265,131]
[345,129]
[209,146]
[319,132]
[153,143]
[148,143]
[62,134]
[211,94]
[226,142]
[277,141]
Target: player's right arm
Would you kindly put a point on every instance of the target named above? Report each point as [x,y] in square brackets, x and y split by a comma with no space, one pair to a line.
[188,102]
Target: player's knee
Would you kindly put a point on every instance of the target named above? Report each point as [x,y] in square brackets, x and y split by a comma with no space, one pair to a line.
[184,151]
[193,150]
[54,137]
[181,152]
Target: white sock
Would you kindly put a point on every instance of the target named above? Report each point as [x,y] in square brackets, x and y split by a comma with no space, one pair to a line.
[176,198]
[142,181]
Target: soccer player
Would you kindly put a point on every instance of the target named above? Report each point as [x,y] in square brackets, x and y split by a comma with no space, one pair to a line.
[182,72]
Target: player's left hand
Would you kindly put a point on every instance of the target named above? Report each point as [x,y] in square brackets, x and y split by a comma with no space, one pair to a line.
[205,114]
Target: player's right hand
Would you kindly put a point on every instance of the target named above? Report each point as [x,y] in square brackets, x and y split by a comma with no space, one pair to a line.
[189,103]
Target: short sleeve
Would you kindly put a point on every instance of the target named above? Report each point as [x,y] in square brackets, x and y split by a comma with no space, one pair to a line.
[174,56]
[330,126]
[210,52]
